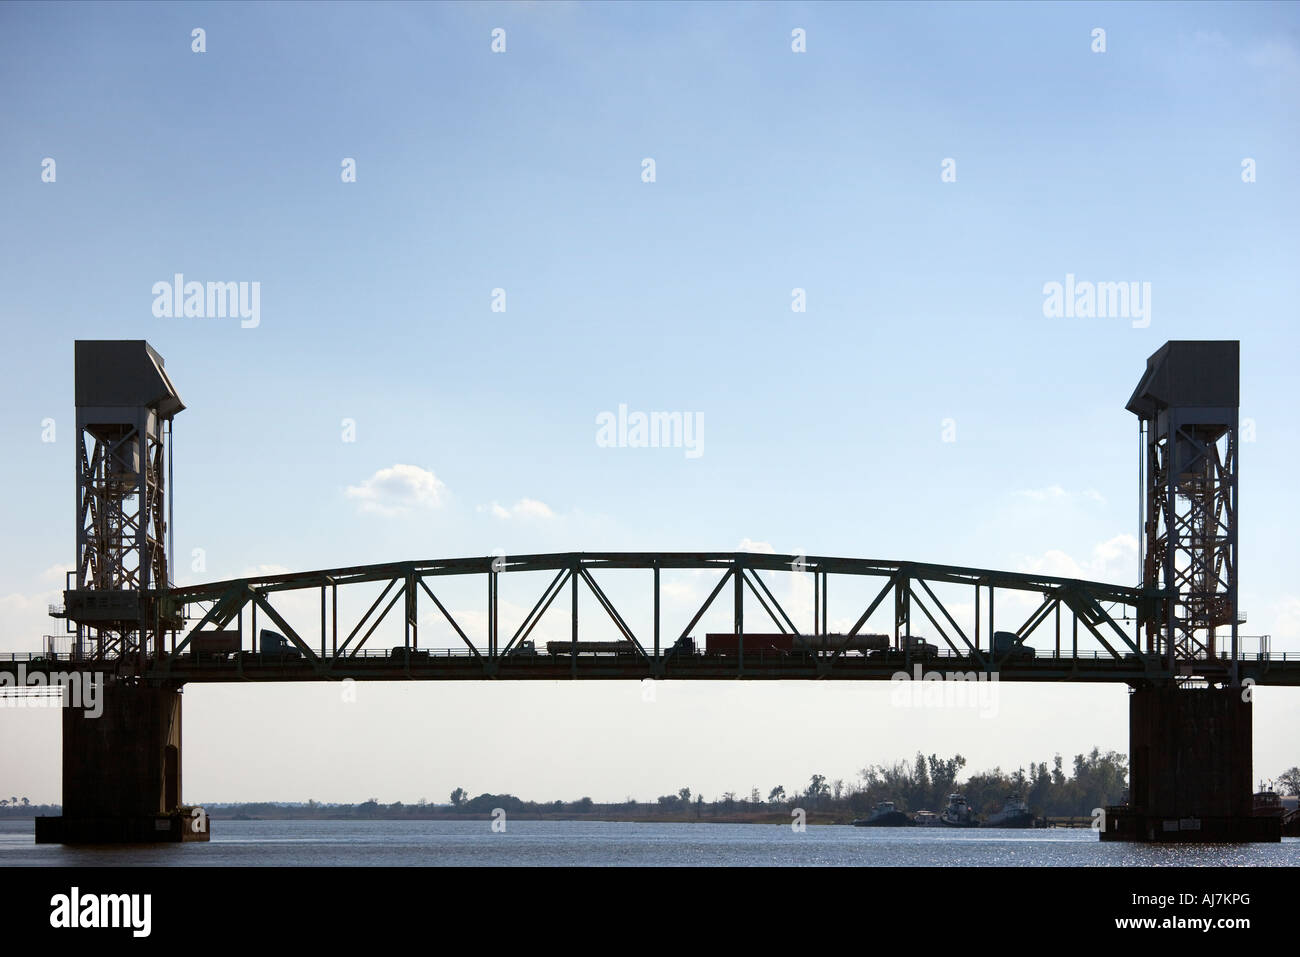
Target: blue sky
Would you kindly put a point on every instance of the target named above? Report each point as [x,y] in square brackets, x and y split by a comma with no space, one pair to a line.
[522,171]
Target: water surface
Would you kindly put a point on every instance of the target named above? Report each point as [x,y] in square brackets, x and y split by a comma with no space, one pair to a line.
[579,843]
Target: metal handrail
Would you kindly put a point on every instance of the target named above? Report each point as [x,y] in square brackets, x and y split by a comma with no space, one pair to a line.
[370,654]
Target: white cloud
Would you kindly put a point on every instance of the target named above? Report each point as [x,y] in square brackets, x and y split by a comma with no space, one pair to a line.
[749,545]
[55,574]
[264,571]
[17,604]
[681,592]
[1285,626]
[524,508]
[1114,560]
[25,618]
[396,490]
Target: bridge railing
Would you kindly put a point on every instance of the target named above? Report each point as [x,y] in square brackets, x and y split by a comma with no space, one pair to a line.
[422,653]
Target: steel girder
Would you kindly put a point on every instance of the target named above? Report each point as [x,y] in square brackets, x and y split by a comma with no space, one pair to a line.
[1099,607]
[121,532]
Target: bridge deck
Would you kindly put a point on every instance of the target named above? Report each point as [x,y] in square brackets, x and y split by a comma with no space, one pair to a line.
[460,665]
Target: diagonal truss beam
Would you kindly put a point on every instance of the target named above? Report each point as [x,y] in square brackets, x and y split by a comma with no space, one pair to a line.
[916,600]
[871,610]
[539,609]
[611,611]
[400,593]
[974,650]
[450,620]
[781,626]
[222,610]
[364,618]
[717,589]
[260,600]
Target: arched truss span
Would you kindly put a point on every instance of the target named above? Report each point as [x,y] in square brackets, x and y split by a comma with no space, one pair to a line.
[1093,609]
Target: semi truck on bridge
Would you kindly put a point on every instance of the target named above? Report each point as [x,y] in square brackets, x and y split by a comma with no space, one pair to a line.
[729,644]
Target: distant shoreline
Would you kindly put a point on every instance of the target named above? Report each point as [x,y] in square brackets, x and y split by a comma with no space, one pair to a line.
[289,813]
[775,817]
[1058,793]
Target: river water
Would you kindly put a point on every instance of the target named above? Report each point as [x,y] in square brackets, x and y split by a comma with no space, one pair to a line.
[581,843]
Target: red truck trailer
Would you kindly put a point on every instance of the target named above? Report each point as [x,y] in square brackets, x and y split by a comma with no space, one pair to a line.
[756,643]
[215,642]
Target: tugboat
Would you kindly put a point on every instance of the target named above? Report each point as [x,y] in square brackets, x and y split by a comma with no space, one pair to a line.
[958,813]
[1014,813]
[885,814]
[927,819]
[1266,802]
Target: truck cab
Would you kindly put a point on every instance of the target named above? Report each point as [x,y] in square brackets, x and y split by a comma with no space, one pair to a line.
[1004,646]
[275,645]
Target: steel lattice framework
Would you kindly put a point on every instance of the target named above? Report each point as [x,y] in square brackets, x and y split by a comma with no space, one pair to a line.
[125,405]
[1096,608]
[1187,405]
[121,541]
[1191,542]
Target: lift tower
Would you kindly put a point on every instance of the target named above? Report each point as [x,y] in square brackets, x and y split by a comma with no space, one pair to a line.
[122,765]
[1190,732]
[125,407]
[1187,409]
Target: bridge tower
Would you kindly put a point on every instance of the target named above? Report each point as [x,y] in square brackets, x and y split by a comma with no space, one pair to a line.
[121,761]
[1190,734]
[125,407]
[1187,409]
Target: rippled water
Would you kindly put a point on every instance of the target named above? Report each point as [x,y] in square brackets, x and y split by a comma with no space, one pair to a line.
[576,843]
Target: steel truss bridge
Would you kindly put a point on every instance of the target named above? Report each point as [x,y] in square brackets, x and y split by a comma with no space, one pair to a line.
[1190,724]
[1065,610]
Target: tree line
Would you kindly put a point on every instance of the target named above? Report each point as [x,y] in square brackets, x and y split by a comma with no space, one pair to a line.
[1091,780]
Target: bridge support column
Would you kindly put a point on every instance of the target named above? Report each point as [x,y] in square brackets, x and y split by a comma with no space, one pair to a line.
[122,772]
[1189,770]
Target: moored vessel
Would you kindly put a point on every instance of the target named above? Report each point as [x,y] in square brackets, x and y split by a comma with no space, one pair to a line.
[1015,813]
[1267,802]
[958,813]
[884,814]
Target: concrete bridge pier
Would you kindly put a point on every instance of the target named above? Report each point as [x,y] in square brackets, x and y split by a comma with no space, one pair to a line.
[122,771]
[1189,770]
